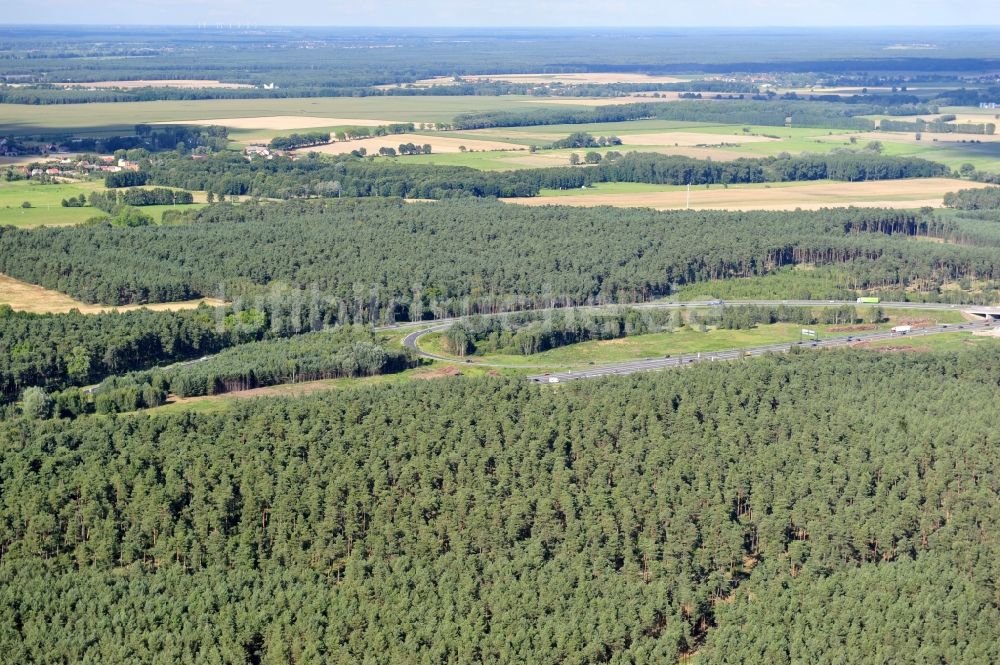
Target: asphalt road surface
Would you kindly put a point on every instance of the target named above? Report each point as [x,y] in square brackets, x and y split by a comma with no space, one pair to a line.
[410,341]
[653,364]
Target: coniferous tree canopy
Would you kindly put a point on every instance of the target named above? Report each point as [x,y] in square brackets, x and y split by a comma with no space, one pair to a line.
[816,507]
[463,256]
[54,351]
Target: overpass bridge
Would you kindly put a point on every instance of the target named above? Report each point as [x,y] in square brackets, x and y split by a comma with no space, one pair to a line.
[984,313]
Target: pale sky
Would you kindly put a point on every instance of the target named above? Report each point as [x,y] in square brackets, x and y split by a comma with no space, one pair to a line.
[556,13]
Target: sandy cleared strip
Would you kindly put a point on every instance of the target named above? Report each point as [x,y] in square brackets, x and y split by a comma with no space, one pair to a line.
[439,144]
[26,297]
[156,83]
[282,122]
[690,139]
[913,193]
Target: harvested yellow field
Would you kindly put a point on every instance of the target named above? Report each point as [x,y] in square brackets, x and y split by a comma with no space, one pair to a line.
[913,193]
[984,116]
[692,139]
[25,297]
[156,83]
[439,144]
[282,122]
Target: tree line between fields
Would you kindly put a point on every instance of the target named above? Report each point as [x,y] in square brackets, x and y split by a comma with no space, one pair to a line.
[743,511]
[229,174]
[112,200]
[775,113]
[939,126]
[986,198]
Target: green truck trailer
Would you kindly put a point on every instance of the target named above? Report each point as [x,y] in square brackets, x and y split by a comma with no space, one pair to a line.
[868,301]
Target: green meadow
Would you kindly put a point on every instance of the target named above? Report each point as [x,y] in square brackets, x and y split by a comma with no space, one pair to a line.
[46,203]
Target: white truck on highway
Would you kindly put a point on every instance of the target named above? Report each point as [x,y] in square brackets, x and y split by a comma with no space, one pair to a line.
[901,330]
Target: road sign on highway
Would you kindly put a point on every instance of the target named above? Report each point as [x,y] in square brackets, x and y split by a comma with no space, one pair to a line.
[808,333]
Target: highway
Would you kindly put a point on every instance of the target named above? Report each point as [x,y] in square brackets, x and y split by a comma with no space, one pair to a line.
[701,304]
[410,342]
[425,327]
[653,364]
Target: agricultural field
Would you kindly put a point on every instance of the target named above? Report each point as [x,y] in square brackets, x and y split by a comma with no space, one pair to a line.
[644,98]
[103,119]
[259,120]
[24,297]
[46,203]
[511,157]
[719,142]
[45,200]
[439,144]
[911,193]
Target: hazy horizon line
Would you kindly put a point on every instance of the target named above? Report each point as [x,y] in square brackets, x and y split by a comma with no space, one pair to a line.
[361,26]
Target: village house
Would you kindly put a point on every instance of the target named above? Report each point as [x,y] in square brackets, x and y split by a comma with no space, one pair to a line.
[258,151]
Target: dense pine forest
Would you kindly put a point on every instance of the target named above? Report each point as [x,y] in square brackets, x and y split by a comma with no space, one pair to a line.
[331,354]
[383,259]
[347,351]
[54,351]
[165,500]
[744,513]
